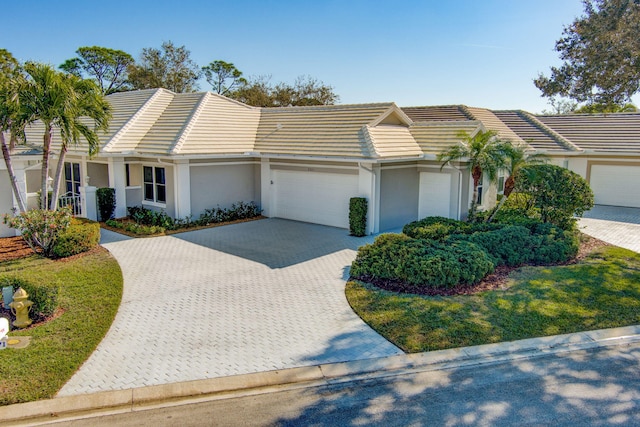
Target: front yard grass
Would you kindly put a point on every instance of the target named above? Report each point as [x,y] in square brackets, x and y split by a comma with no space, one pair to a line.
[90,293]
[600,291]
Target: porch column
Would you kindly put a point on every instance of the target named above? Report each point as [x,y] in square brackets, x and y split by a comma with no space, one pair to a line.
[89,205]
[265,187]
[21,182]
[182,189]
[369,187]
[117,181]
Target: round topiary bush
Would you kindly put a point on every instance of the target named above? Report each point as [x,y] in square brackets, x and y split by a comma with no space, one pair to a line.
[419,262]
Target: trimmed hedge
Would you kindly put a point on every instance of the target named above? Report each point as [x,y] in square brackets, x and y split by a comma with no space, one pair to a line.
[44,296]
[418,262]
[106,202]
[81,236]
[358,216]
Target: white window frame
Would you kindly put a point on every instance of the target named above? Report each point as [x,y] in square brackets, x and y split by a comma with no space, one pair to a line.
[502,178]
[480,191]
[155,186]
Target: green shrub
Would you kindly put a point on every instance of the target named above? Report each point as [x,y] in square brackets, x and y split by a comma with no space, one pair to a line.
[358,216]
[557,193]
[511,245]
[239,210]
[40,228]
[106,202]
[81,235]
[134,228]
[421,262]
[438,228]
[43,296]
[144,216]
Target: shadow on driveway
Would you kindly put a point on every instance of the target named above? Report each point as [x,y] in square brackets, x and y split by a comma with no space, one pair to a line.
[274,242]
[614,213]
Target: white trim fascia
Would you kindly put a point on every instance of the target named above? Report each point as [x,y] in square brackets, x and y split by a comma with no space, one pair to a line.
[133,119]
[236,163]
[188,126]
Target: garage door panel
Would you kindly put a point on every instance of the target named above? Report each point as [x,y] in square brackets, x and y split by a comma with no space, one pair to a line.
[616,185]
[321,198]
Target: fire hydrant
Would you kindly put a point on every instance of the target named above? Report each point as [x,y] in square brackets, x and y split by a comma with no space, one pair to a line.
[20,308]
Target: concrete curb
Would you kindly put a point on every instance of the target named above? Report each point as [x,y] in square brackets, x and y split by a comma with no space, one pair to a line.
[119,401]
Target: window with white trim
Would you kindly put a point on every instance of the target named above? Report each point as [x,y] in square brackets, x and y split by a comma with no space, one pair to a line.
[72,178]
[501,179]
[155,185]
[480,188]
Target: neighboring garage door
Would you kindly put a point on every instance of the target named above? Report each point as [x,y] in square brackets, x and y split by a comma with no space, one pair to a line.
[616,185]
[317,197]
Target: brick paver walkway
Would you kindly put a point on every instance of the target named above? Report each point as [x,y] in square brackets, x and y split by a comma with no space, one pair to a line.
[250,297]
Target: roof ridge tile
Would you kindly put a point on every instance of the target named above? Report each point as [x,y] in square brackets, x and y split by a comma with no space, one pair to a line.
[135,117]
[533,120]
[188,126]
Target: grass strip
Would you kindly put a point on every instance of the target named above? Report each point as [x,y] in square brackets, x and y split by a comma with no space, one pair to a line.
[90,293]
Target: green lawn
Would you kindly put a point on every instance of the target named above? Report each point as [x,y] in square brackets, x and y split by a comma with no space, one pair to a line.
[91,290]
[601,291]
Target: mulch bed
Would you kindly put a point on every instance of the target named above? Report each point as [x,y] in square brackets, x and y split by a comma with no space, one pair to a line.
[12,248]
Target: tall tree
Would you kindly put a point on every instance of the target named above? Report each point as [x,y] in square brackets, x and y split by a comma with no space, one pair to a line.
[601,54]
[516,159]
[61,101]
[223,76]
[606,109]
[485,155]
[11,81]
[108,67]
[169,67]
[306,90]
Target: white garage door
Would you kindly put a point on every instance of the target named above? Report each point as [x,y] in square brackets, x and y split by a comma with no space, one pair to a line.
[435,195]
[317,197]
[616,185]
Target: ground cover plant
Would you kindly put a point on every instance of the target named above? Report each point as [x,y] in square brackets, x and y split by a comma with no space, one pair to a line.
[147,222]
[89,289]
[600,291]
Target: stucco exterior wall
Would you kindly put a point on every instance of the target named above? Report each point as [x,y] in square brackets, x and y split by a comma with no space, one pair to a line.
[98,174]
[6,203]
[221,185]
[398,197]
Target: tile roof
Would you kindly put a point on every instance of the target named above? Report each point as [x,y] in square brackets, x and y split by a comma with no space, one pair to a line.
[617,132]
[534,132]
[434,137]
[160,122]
[332,130]
[440,112]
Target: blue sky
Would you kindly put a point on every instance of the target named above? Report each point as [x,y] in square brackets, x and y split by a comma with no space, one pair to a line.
[473,52]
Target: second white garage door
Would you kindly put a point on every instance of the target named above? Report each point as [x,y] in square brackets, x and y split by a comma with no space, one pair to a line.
[317,197]
[616,185]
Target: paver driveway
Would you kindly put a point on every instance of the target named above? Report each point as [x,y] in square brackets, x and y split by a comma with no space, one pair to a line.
[612,224]
[249,297]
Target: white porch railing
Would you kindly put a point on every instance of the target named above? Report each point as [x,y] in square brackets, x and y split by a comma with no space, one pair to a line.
[73,200]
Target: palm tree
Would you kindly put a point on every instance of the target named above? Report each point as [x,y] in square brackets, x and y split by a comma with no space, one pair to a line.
[485,154]
[10,80]
[516,159]
[59,101]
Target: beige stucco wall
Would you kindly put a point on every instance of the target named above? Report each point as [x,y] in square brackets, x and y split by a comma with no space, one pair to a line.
[398,197]
[98,174]
[6,203]
[221,185]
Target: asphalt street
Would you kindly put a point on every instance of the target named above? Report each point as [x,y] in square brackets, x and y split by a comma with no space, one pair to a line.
[598,386]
